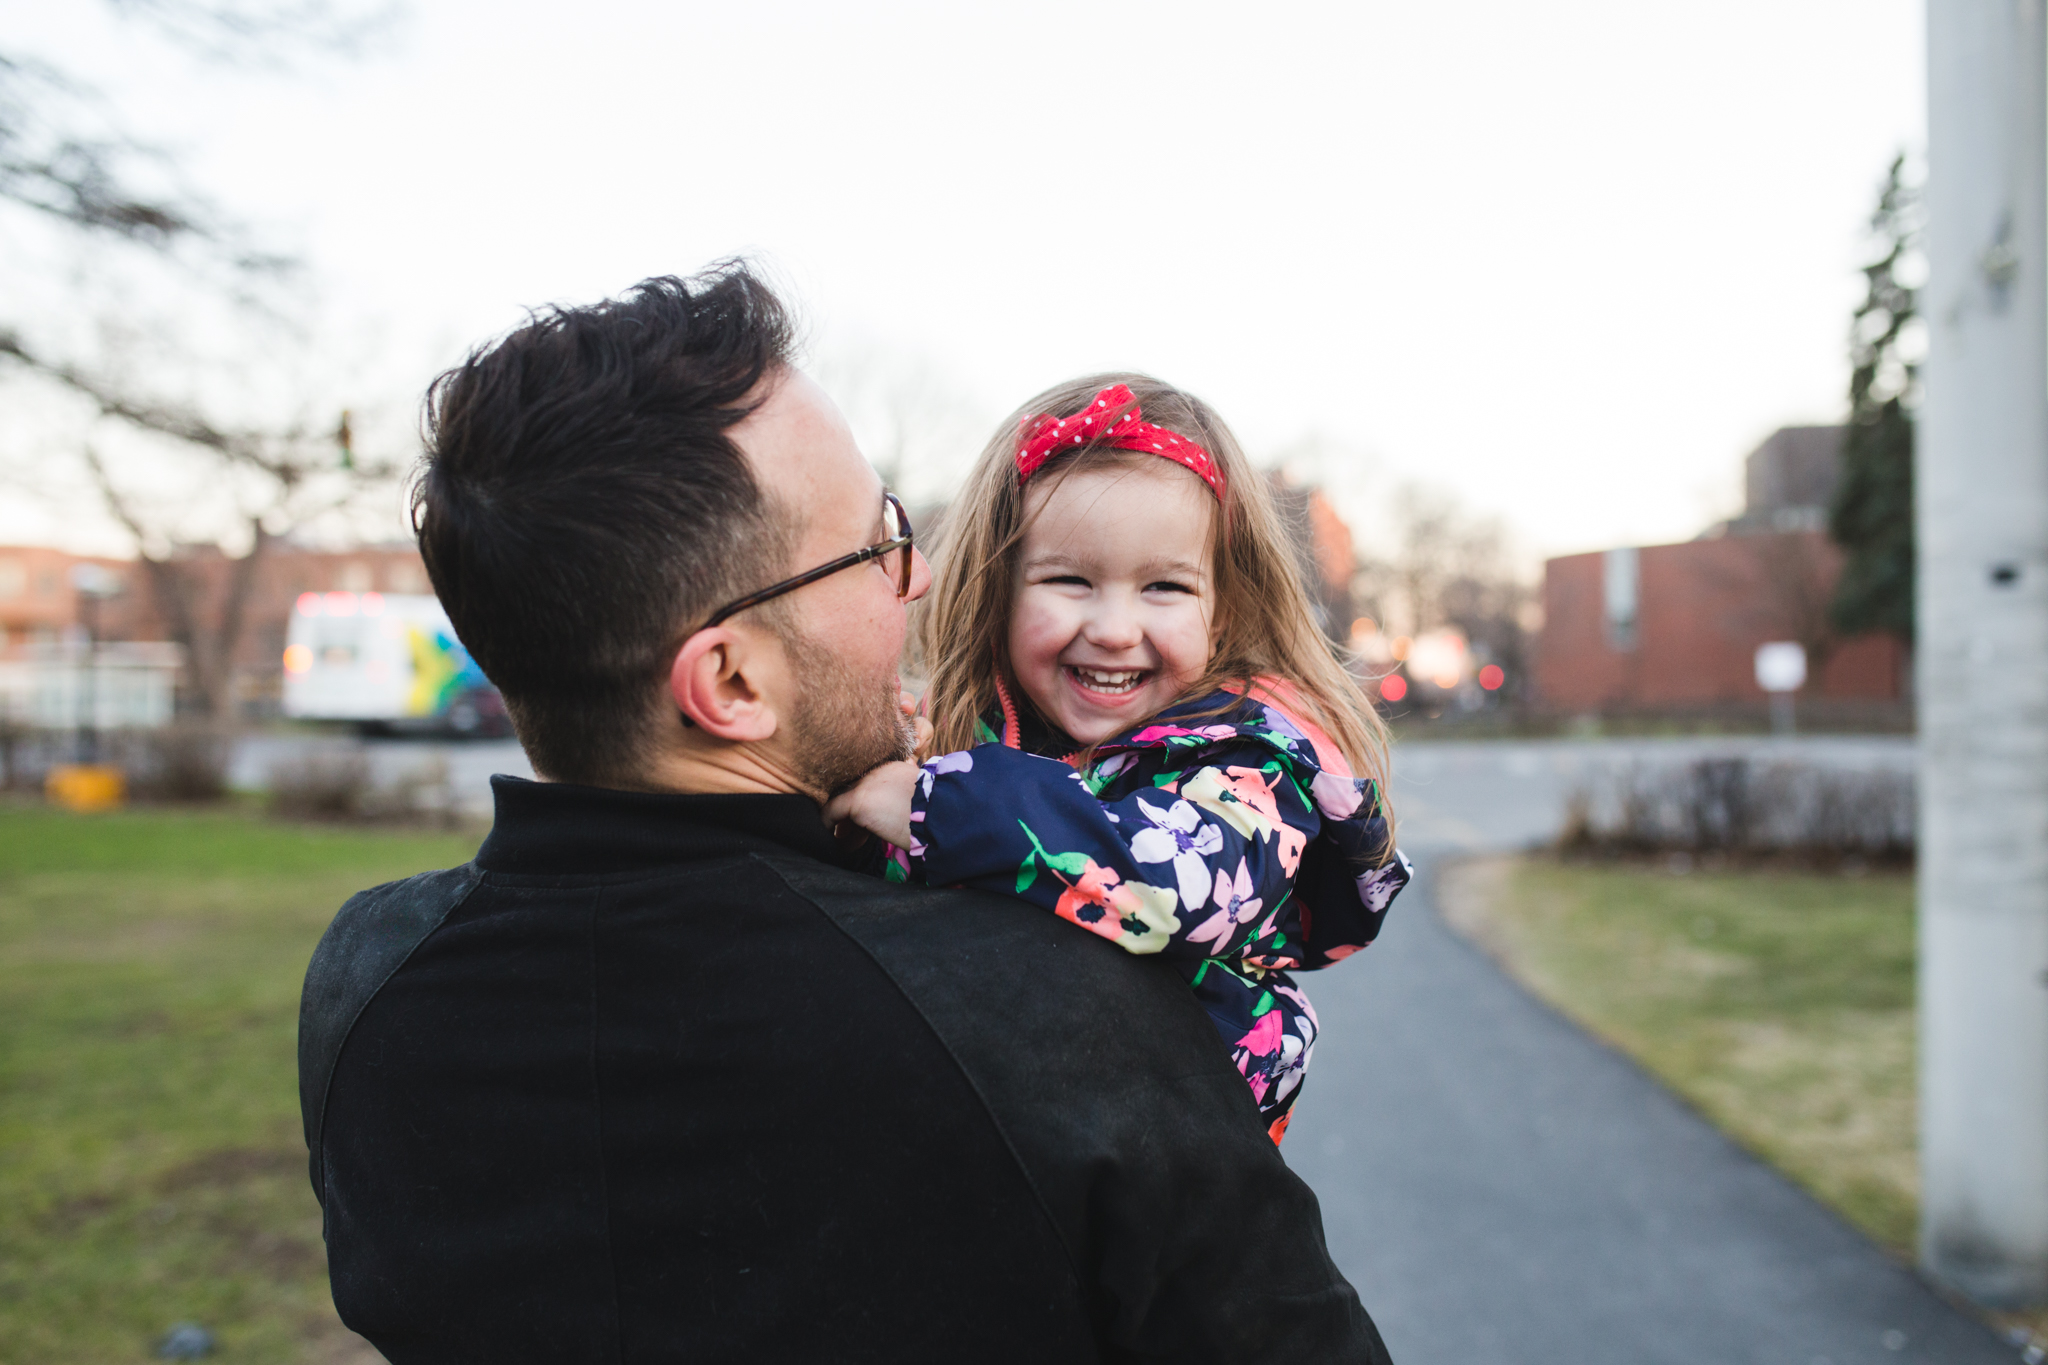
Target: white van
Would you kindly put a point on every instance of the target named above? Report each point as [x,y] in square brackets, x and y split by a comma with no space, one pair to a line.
[384,661]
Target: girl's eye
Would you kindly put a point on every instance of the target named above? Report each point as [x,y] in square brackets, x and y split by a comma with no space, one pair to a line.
[1069,580]
[1163,586]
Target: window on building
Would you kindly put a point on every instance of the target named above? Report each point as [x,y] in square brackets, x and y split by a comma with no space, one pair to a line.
[1620,585]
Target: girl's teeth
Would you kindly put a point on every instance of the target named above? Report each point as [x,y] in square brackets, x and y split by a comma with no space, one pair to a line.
[1108,682]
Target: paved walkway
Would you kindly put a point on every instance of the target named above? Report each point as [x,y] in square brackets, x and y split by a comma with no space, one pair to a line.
[1502,1188]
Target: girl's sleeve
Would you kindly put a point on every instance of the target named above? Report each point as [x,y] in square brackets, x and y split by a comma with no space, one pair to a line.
[1344,894]
[1201,866]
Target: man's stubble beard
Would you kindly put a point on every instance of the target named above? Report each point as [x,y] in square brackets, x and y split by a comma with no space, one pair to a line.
[845,725]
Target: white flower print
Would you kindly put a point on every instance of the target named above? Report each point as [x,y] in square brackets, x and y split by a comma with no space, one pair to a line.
[960,762]
[1178,835]
[1235,905]
[1376,888]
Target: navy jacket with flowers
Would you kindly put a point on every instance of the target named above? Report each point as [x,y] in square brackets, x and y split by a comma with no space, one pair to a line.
[1219,835]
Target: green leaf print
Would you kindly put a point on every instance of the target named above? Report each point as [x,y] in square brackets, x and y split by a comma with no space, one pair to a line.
[1073,864]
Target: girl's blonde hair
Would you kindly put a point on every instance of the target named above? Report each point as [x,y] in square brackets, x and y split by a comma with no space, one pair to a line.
[1263,626]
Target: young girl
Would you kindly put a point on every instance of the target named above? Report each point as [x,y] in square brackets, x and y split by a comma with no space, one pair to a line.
[1140,727]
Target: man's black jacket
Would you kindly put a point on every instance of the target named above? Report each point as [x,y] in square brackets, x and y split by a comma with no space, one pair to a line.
[653,1079]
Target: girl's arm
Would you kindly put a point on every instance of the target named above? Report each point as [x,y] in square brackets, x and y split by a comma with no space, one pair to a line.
[1203,867]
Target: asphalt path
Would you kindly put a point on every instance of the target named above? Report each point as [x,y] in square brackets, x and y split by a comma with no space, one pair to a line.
[1502,1187]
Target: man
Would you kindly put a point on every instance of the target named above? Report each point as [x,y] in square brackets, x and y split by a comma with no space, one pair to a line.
[657,1077]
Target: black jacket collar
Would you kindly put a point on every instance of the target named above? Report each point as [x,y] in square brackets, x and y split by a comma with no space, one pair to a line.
[559,829]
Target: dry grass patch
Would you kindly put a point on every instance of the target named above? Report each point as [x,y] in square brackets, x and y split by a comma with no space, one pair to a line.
[1779,1003]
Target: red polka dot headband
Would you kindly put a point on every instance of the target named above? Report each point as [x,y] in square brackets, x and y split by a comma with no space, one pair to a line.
[1111,419]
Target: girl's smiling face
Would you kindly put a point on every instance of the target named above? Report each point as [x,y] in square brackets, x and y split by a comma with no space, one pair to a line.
[1113,614]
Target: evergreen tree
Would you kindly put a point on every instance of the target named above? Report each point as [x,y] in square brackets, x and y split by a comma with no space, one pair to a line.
[1872,516]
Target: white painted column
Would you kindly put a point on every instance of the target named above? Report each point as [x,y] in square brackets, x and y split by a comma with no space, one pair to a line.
[1983,657]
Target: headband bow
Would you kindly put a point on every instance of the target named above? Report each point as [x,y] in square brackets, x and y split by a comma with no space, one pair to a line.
[1111,418]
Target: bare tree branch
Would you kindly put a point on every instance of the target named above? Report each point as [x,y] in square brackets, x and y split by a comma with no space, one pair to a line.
[290,455]
[171,590]
[66,157]
[264,32]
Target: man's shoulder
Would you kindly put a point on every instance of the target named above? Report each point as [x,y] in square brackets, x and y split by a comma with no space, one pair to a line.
[376,929]
[912,929]
[1041,1014]
[371,936]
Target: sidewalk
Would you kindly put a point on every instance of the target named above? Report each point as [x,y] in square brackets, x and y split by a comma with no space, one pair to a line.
[1501,1187]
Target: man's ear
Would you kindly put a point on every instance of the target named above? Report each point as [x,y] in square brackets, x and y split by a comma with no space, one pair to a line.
[715,684]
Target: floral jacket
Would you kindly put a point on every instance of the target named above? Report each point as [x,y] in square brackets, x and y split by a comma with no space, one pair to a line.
[1226,834]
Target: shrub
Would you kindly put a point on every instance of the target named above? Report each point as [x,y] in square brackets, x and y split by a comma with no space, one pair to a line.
[1735,805]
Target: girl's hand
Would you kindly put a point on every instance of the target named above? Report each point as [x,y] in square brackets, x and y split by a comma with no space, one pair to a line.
[879,803]
[920,728]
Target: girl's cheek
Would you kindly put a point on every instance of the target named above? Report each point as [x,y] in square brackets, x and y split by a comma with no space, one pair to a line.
[1036,628]
[1194,642]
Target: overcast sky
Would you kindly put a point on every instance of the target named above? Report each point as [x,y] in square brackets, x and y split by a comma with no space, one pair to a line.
[1568,260]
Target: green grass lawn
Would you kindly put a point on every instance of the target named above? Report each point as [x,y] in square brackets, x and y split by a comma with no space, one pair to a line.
[151,1165]
[1779,1003]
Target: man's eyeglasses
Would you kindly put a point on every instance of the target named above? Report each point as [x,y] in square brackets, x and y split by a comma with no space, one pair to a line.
[893,550]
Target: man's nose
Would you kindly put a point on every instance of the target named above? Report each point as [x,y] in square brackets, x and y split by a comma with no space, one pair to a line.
[920,575]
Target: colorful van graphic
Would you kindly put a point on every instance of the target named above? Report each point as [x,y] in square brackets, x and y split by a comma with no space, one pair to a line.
[384,660]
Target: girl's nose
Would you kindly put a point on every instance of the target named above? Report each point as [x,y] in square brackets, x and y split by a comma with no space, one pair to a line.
[1113,625]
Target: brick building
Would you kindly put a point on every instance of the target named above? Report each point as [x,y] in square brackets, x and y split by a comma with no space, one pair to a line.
[1323,549]
[40,609]
[40,605]
[1667,629]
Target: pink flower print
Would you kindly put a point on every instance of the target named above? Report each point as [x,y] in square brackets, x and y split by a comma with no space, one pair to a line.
[1152,734]
[1251,1052]
[1136,917]
[1255,789]
[1235,905]
[1310,1025]
[1086,902]
[1180,836]
[1338,798]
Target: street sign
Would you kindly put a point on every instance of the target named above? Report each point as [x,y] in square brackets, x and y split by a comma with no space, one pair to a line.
[1781,666]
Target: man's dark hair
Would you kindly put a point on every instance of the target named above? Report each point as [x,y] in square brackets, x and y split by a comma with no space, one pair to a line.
[582,504]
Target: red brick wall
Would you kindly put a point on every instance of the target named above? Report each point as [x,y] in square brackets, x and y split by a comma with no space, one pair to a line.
[39,603]
[1702,609]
